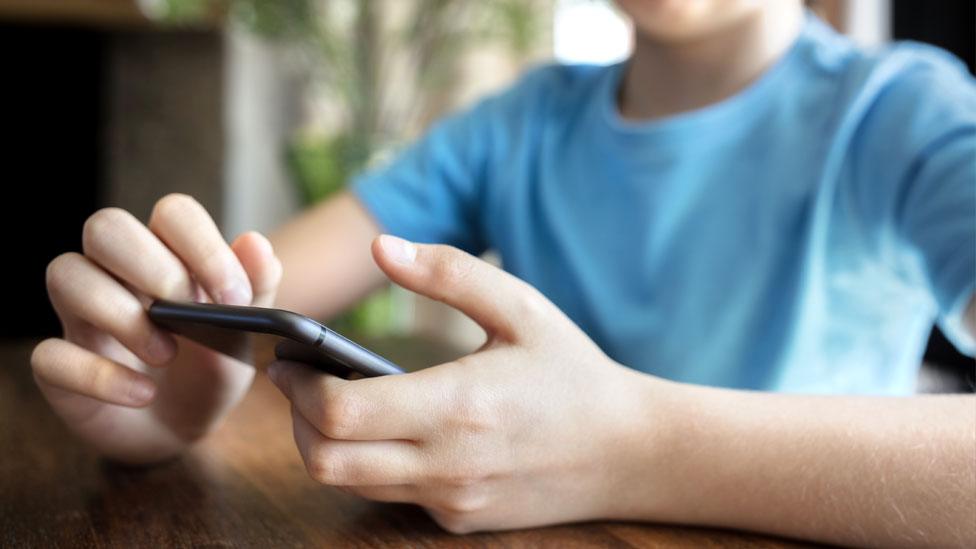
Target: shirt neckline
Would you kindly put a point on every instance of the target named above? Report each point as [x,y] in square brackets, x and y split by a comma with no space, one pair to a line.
[714,118]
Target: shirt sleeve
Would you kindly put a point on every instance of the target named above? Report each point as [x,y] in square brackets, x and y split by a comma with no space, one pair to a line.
[924,138]
[431,191]
[939,222]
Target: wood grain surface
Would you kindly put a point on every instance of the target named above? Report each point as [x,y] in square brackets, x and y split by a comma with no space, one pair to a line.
[243,486]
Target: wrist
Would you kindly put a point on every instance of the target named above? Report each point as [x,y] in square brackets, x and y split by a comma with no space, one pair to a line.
[643,444]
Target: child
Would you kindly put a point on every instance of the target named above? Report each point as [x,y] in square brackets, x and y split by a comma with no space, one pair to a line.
[749,202]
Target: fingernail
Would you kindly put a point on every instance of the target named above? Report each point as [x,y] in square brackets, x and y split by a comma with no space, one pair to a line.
[236,294]
[398,249]
[160,348]
[141,391]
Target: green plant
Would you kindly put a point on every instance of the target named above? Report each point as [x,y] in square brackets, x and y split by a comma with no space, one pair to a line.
[321,165]
[348,46]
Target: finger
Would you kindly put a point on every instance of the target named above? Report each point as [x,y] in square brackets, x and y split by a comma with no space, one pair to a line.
[64,365]
[263,268]
[123,246]
[380,408]
[187,229]
[394,493]
[80,290]
[493,298]
[356,463]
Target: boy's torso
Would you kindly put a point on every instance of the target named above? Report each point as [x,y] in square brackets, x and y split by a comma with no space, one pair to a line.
[718,247]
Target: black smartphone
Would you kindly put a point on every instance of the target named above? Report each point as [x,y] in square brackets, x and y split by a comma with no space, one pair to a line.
[227,329]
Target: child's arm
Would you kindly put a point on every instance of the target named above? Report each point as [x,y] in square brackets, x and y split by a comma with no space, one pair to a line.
[540,427]
[869,471]
[325,251]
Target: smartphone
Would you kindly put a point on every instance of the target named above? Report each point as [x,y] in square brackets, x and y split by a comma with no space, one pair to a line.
[227,329]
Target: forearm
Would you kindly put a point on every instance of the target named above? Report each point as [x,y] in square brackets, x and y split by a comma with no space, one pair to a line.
[326,258]
[853,470]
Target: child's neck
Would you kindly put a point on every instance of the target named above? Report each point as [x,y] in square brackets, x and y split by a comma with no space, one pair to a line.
[665,78]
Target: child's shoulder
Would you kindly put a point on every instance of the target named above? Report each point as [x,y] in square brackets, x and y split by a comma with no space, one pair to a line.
[903,80]
[923,56]
[903,63]
[913,64]
[925,71]
[556,85]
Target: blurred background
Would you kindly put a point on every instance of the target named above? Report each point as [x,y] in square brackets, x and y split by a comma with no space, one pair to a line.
[259,108]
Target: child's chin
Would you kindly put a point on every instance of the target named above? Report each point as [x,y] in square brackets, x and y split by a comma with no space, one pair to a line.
[683,20]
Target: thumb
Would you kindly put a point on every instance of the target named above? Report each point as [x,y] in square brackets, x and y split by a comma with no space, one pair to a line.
[491,297]
[263,268]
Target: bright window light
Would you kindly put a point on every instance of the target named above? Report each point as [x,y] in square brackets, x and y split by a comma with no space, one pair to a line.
[590,31]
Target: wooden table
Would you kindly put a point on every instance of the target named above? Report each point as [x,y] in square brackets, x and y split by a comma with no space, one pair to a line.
[245,485]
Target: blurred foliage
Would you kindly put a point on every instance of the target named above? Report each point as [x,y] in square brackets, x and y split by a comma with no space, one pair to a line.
[347,45]
[280,19]
[182,11]
[372,317]
[512,22]
[324,164]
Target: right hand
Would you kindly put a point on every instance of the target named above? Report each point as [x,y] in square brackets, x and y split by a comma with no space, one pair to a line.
[124,385]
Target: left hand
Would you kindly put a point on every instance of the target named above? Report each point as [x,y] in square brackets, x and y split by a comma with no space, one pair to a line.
[536,427]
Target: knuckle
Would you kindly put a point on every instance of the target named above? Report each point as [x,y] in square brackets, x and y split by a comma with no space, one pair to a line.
[465,501]
[215,260]
[341,414]
[101,226]
[324,466]
[450,268]
[174,205]
[174,283]
[90,379]
[126,318]
[61,270]
[475,412]
[530,304]
[42,356]
[455,523]
[96,380]
[467,474]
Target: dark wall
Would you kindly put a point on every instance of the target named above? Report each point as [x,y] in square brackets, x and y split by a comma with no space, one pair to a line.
[50,104]
[951,25]
[99,117]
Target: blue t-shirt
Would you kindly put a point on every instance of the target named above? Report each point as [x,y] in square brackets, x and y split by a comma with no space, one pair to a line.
[802,235]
